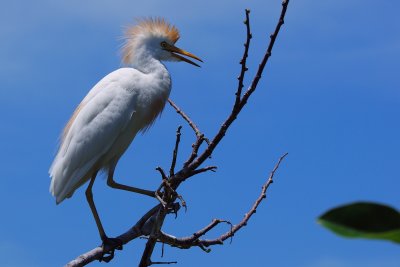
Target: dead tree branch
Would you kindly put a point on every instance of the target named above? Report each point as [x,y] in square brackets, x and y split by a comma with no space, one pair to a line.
[199,135]
[175,153]
[243,61]
[185,117]
[151,223]
[193,240]
[242,102]
[141,227]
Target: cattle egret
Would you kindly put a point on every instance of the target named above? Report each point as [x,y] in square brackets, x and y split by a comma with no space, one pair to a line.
[119,106]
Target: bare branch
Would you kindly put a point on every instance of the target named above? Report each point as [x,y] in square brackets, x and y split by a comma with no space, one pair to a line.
[248,215]
[162,172]
[267,55]
[235,112]
[195,149]
[193,240]
[175,153]
[151,242]
[164,262]
[243,60]
[140,228]
[205,169]
[186,118]
[184,242]
[188,242]
[200,136]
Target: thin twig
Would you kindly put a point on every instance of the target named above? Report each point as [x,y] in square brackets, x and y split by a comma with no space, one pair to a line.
[187,242]
[248,215]
[175,153]
[193,240]
[195,149]
[205,169]
[199,135]
[267,55]
[185,117]
[164,262]
[162,172]
[243,61]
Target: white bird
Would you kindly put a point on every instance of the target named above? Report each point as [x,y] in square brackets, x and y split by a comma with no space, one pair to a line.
[119,106]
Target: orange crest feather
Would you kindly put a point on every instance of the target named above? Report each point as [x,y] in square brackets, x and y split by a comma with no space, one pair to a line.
[152,26]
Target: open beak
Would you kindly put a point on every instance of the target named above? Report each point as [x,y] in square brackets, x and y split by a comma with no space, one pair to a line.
[177,52]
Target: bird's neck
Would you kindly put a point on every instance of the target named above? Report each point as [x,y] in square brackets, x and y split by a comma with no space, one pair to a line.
[152,97]
[146,63]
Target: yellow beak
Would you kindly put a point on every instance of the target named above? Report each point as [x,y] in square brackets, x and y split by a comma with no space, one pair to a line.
[177,52]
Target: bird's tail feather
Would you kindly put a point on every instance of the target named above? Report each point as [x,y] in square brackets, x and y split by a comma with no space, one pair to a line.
[64,182]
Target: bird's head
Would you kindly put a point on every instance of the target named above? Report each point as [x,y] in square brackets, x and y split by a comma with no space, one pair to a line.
[155,38]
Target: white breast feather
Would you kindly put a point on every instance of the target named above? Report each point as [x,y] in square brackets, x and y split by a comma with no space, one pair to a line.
[108,109]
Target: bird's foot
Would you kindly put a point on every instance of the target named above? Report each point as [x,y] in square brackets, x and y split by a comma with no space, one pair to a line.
[169,193]
[109,246]
[174,208]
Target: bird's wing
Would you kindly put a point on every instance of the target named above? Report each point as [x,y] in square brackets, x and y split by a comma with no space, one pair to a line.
[100,119]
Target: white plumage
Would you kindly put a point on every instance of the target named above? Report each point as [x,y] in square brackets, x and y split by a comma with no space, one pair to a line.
[107,121]
[123,103]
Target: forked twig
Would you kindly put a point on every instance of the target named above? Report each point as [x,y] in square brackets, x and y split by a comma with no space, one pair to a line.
[185,117]
[227,123]
[193,240]
[243,61]
[175,153]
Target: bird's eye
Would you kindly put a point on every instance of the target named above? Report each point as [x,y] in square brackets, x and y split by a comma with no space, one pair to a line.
[164,44]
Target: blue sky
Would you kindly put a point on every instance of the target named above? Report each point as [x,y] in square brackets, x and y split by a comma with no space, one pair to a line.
[330,97]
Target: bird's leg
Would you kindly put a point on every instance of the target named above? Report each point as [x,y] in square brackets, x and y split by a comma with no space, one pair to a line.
[109,244]
[114,184]
[89,197]
[172,193]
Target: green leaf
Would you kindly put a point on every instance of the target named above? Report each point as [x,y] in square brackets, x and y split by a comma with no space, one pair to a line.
[363,220]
